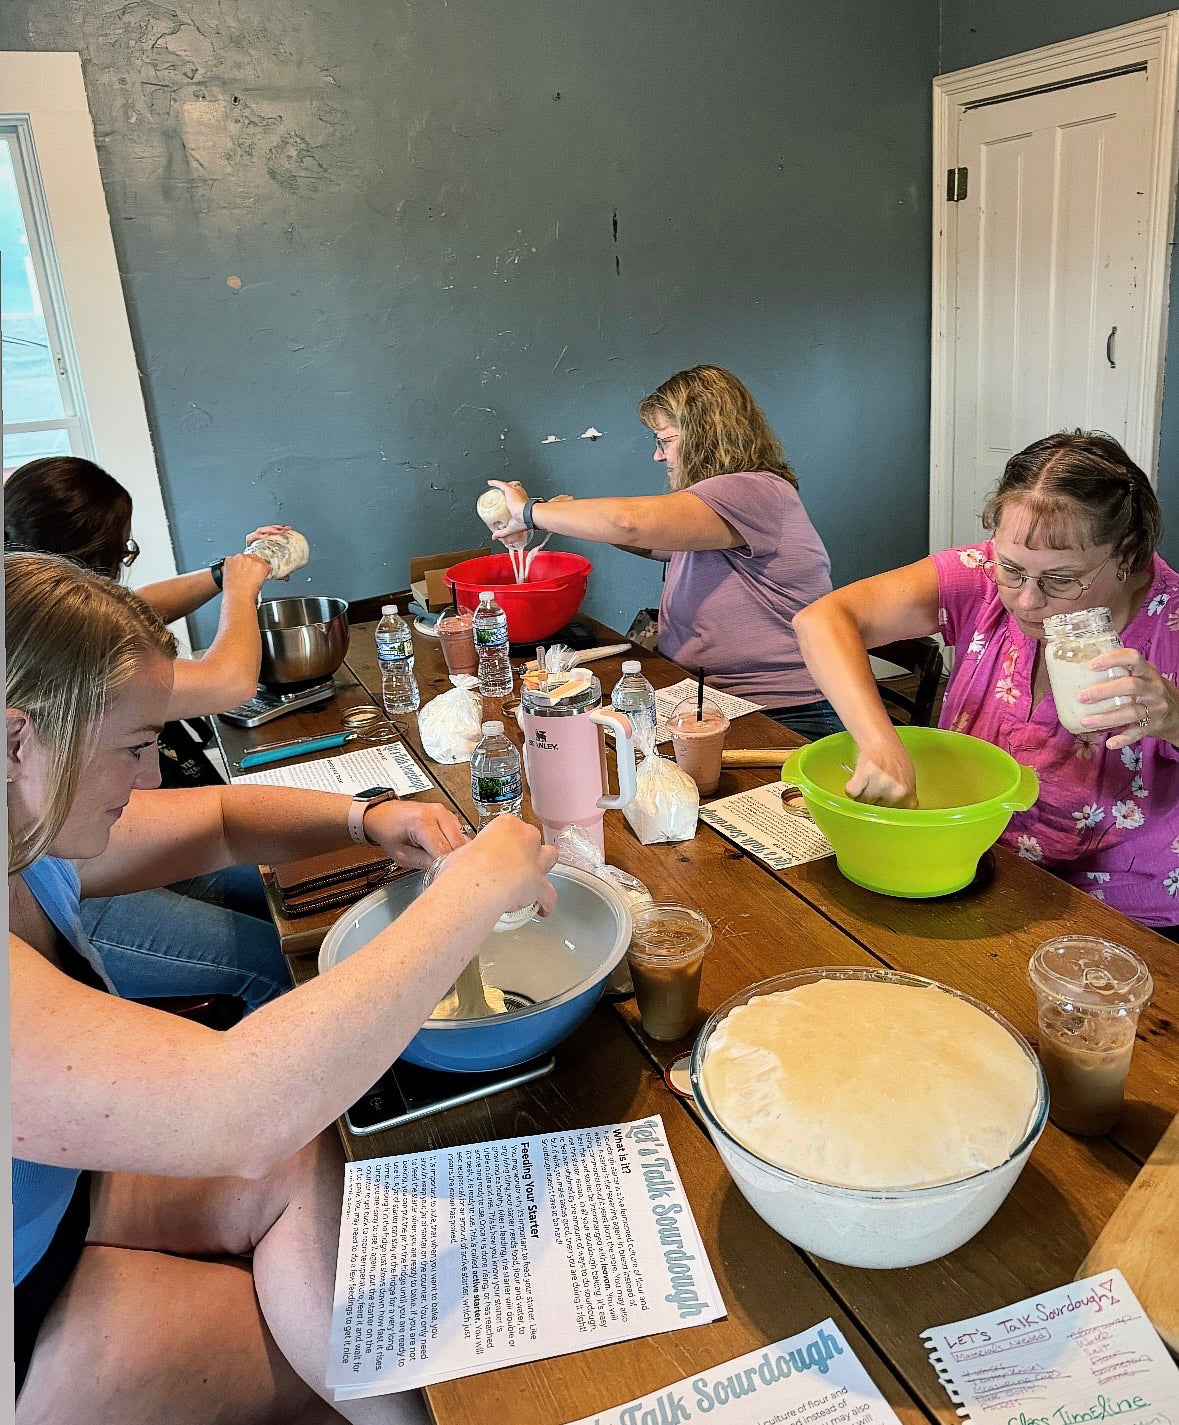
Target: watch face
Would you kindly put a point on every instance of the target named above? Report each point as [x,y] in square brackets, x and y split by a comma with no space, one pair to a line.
[369,793]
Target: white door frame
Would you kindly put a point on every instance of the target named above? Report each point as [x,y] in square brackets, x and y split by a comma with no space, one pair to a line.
[48,90]
[1155,40]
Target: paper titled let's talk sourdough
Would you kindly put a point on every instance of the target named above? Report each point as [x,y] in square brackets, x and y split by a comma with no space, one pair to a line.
[813,1378]
[1082,1353]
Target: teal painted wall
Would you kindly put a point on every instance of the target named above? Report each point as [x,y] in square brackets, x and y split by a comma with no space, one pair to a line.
[461,226]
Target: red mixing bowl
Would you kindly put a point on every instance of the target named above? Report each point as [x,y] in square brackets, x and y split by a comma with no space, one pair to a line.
[535,610]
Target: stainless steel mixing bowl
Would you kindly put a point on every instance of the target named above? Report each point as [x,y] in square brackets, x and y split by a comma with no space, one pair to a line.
[303,640]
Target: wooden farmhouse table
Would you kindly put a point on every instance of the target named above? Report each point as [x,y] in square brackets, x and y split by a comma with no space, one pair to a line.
[768,923]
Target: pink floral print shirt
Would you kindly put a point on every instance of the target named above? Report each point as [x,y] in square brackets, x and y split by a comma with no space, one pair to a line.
[1106,821]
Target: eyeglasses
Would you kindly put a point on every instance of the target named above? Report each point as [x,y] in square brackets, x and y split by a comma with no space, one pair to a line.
[130,554]
[663,441]
[1052,586]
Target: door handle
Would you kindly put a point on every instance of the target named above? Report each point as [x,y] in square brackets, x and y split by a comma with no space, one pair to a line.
[1109,347]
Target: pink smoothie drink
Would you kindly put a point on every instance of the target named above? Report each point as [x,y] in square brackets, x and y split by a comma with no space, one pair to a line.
[698,742]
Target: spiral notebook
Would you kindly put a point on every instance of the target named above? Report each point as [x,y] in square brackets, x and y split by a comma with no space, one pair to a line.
[1084,1352]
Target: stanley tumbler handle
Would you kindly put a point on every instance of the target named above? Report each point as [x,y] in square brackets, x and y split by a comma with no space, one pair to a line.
[617,725]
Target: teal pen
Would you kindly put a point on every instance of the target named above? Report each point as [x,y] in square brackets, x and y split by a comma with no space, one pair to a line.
[282,750]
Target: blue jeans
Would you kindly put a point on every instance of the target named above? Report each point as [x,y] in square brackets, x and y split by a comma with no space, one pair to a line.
[809,720]
[209,935]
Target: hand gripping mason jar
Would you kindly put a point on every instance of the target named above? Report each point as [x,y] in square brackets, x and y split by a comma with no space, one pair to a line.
[1073,641]
[565,727]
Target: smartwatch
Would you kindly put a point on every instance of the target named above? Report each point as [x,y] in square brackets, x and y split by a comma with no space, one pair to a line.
[370,797]
[526,513]
[218,572]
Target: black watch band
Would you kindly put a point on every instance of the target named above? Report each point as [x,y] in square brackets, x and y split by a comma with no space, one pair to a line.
[218,572]
[526,513]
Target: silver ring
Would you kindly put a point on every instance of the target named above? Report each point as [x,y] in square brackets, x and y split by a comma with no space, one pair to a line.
[1120,702]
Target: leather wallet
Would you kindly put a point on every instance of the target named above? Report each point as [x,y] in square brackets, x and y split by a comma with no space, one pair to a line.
[335,879]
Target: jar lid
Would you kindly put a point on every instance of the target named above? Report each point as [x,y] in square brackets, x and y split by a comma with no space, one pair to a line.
[1090,973]
[1079,622]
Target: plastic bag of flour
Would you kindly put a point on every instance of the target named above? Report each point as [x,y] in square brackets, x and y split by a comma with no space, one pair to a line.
[667,803]
[452,723]
[577,848]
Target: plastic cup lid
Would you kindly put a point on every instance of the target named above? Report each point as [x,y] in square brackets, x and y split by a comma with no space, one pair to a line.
[669,933]
[1090,973]
[687,710]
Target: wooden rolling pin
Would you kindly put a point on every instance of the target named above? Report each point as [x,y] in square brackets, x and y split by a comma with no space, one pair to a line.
[755,756]
[1140,1238]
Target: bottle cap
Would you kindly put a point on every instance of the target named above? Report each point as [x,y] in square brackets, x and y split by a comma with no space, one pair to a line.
[492,727]
[486,594]
[388,608]
[632,665]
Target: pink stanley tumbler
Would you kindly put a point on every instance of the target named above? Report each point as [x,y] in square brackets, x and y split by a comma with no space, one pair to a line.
[565,729]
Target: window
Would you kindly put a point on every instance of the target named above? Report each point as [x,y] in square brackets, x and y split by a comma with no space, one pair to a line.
[71,379]
[43,409]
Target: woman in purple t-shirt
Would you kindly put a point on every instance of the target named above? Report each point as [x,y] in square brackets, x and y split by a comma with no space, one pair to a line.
[1075,525]
[742,555]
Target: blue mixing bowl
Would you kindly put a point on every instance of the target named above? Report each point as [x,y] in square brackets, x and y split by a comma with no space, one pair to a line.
[553,969]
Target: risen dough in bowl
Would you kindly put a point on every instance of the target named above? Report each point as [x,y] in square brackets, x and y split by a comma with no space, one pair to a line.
[870,1085]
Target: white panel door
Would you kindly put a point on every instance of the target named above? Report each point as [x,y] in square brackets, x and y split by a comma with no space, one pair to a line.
[1051,243]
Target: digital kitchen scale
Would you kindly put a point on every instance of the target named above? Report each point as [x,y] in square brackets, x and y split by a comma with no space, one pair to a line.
[266,704]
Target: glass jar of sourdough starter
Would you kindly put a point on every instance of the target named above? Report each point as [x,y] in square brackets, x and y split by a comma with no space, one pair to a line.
[1073,641]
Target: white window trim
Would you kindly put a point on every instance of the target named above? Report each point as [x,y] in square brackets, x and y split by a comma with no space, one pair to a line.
[48,91]
[1157,41]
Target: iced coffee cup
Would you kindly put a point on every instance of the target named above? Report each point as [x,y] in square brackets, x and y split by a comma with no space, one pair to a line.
[667,949]
[1089,994]
[698,741]
[456,634]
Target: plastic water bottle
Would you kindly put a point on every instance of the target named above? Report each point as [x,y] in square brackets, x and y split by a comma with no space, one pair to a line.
[491,644]
[497,783]
[635,697]
[399,688]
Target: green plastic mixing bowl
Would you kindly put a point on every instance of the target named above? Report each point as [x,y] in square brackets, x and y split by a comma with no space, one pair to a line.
[967,791]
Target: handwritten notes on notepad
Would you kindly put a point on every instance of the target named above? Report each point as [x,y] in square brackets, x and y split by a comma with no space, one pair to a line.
[1084,1352]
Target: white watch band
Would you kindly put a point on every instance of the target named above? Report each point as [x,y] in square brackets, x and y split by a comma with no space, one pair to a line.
[356,811]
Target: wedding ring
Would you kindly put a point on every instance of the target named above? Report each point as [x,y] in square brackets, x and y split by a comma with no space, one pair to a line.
[1120,702]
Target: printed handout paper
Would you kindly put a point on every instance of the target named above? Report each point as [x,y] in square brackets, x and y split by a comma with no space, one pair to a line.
[666,700]
[468,1259]
[813,1378]
[387,765]
[761,823]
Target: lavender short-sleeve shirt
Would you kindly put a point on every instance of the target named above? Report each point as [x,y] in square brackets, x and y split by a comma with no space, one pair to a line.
[1106,821]
[728,611]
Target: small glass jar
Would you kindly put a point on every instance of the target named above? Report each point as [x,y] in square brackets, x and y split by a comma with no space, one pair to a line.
[510,920]
[285,552]
[1073,640]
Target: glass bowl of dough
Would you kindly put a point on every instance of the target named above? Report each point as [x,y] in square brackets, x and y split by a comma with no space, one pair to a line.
[550,972]
[873,1118]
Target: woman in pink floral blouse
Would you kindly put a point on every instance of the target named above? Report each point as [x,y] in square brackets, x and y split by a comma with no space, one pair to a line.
[1075,524]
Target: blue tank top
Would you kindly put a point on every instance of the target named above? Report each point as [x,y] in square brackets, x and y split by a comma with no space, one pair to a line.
[40,1191]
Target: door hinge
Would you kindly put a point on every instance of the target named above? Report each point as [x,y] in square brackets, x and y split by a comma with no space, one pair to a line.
[955,185]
